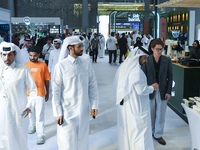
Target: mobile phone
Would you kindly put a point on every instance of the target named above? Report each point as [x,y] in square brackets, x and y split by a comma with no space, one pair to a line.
[23,115]
[61,123]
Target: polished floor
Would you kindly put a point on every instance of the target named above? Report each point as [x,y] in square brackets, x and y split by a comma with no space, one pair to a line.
[103,130]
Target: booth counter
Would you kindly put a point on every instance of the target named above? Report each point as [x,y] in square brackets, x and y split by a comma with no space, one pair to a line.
[186,84]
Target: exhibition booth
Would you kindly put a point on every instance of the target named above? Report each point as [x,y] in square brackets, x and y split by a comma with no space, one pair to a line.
[185,100]
[40,26]
[5,25]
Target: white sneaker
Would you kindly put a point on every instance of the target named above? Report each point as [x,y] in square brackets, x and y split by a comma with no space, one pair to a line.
[32,130]
[40,140]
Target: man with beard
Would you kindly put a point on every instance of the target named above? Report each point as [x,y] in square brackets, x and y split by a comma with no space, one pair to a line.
[24,51]
[41,76]
[132,100]
[74,90]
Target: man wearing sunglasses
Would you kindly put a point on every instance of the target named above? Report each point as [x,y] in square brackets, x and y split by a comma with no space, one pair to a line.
[158,69]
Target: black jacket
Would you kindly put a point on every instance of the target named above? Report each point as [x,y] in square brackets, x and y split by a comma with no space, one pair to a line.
[165,75]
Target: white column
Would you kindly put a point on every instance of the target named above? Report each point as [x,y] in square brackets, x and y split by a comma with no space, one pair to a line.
[191,27]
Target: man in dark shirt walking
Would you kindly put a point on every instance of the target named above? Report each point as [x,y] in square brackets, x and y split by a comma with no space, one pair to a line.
[123,47]
[94,44]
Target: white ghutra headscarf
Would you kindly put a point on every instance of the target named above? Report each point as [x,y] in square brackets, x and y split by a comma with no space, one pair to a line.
[72,40]
[10,48]
[123,79]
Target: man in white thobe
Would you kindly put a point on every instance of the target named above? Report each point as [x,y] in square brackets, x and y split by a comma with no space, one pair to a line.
[145,41]
[86,44]
[129,41]
[24,51]
[132,95]
[65,52]
[102,43]
[54,55]
[150,38]
[135,36]
[15,79]
[75,92]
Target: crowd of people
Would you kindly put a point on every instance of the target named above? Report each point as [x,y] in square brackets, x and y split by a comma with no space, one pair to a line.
[121,44]
[74,89]
[94,44]
[142,87]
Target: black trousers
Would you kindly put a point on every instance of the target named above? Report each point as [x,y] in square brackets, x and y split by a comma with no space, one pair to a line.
[112,52]
[47,62]
[95,54]
[120,57]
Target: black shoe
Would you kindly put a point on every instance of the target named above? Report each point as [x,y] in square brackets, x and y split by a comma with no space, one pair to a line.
[160,140]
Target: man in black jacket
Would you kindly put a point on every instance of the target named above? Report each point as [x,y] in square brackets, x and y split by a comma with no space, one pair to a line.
[123,44]
[158,69]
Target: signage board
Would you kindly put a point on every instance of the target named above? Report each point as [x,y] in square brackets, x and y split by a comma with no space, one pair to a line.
[27,20]
[133,18]
[135,26]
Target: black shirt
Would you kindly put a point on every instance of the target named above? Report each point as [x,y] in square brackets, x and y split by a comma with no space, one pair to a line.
[157,68]
[95,42]
[194,52]
[122,44]
[137,44]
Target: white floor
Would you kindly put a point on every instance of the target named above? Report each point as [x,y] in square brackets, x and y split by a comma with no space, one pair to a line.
[103,130]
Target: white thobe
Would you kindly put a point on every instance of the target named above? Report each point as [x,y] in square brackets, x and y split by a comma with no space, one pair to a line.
[1,61]
[87,57]
[86,45]
[129,42]
[74,90]
[145,42]
[24,55]
[53,60]
[134,120]
[21,41]
[149,40]
[14,82]
[102,50]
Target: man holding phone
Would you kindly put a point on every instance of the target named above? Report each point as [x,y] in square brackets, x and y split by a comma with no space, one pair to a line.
[15,79]
[74,91]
